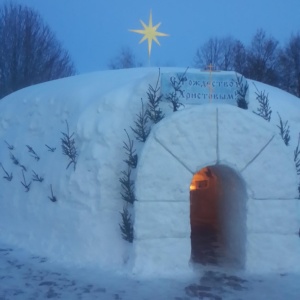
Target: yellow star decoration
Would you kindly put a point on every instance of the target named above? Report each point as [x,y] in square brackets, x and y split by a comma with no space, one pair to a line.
[149,33]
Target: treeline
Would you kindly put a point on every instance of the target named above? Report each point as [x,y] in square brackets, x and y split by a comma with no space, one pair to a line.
[262,60]
[30,54]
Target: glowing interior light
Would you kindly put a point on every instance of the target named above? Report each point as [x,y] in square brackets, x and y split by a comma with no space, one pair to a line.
[192,187]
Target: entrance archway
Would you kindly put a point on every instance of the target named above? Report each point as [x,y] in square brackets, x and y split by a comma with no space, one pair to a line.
[236,145]
[218,199]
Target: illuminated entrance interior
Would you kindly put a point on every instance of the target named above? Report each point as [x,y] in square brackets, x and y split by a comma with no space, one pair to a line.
[218,217]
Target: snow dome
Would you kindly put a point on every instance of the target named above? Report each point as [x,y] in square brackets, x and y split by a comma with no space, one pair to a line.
[213,184]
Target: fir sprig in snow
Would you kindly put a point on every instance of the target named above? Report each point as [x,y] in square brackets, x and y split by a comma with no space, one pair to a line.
[7,176]
[68,147]
[126,227]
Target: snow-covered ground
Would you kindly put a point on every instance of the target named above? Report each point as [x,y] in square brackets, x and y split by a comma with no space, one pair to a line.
[27,277]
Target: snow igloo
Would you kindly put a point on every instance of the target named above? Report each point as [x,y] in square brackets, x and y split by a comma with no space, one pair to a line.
[215,185]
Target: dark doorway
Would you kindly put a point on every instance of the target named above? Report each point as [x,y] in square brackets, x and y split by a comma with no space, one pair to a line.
[204,218]
[217,216]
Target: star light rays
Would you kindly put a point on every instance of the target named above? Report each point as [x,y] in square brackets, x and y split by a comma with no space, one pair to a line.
[149,33]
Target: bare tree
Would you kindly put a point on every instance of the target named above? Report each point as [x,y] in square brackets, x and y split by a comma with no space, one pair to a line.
[240,58]
[209,53]
[228,46]
[289,66]
[124,60]
[262,57]
[218,52]
[29,51]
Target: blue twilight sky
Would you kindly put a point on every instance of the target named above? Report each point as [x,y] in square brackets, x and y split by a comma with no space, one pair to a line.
[94,31]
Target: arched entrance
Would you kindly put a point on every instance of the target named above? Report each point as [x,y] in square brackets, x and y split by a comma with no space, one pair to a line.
[243,152]
[218,217]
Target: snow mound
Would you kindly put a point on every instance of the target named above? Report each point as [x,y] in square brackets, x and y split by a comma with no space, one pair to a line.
[82,226]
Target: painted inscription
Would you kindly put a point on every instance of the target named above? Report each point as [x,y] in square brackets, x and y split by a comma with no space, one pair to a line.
[203,87]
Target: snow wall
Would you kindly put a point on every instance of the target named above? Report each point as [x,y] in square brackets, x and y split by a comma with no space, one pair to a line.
[82,226]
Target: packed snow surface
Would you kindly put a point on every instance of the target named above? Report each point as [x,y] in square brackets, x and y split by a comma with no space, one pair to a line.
[25,276]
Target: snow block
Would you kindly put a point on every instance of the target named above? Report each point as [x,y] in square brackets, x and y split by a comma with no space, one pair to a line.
[241,135]
[162,220]
[273,216]
[278,253]
[163,184]
[191,136]
[163,257]
[272,175]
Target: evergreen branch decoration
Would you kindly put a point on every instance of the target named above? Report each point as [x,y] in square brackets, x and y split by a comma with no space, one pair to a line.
[50,149]
[297,156]
[142,129]
[10,147]
[7,176]
[284,130]
[36,177]
[68,147]
[25,184]
[264,109]
[242,90]
[34,155]
[23,168]
[154,112]
[132,159]
[16,162]
[176,83]
[127,186]
[126,226]
[297,160]
[52,197]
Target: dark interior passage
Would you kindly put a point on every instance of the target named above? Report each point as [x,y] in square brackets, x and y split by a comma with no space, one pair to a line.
[205,237]
[217,216]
